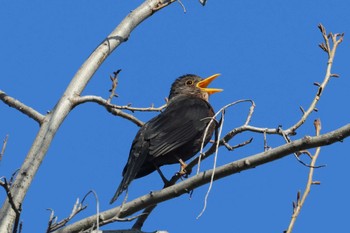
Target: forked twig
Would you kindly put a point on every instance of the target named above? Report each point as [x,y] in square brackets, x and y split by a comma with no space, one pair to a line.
[54,225]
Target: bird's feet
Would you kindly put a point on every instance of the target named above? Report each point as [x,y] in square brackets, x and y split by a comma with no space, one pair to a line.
[184,171]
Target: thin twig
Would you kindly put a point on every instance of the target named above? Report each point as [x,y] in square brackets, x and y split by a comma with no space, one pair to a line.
[3,147]
[300,202]
[114,80]
[104,102]
[54,225]
[182,5]
[97,207]
[231,148]
[298,153]
[266,147]
[116,109]
[135,109]
[110,107]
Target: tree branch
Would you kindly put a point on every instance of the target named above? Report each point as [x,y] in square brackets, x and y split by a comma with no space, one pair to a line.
[300,202]
[116,109]
[16,104]
[2,152]
[205,177]
[103,102]
[110,107]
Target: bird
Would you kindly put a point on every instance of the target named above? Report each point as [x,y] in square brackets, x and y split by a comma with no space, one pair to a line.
[176,134]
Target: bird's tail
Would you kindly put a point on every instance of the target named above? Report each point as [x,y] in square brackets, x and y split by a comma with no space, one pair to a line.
[136,160]
[129,174]
[122,186]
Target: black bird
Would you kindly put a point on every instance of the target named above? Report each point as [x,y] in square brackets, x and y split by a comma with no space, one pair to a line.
[176,134]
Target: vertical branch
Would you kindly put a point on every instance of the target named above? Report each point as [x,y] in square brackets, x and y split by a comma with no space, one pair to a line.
[300,202]
[114,80]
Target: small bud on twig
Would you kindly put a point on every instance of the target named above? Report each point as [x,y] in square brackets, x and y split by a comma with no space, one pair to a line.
[335,75]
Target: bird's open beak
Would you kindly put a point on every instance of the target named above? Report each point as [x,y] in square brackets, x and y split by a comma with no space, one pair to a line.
[204,83]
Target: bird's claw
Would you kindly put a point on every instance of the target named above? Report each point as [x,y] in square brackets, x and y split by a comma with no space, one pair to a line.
[184,171]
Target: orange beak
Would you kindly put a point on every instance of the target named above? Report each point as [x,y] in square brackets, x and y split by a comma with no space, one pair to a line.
[205,82]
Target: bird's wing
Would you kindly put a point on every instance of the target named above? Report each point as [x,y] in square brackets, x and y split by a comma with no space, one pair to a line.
[183,120]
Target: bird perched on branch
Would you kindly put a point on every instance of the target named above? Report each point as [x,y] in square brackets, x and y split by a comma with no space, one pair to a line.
[176,134]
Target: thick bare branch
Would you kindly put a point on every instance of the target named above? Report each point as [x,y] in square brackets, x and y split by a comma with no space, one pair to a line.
[205,177]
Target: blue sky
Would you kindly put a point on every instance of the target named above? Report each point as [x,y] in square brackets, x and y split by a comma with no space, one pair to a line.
[266,51]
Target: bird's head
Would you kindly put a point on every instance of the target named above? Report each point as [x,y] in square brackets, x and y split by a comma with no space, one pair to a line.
[191,84]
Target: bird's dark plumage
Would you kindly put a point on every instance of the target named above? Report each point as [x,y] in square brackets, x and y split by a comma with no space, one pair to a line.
[176,133]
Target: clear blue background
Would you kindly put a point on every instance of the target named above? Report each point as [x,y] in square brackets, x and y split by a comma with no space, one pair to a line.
[265,50]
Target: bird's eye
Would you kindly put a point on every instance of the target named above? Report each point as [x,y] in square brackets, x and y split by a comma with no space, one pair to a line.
[189,82]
